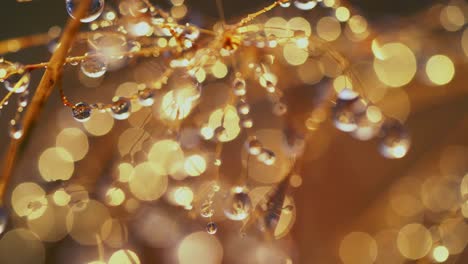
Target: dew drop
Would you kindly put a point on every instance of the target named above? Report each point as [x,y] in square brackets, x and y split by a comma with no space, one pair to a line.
[146,97]
[243,107]
[394,141]
[81,112]
[23,99]
[94,10]
[16,129]
[239,87]
[93,67]
[267,156]
[20,81]
[211,228]
[347,111]
[305,4]
[121,108]
[237,205]
[254,146]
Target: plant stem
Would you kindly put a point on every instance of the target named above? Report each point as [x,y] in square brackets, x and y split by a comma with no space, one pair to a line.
[43,91]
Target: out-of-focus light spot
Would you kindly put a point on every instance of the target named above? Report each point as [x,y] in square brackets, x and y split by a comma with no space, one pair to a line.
[115,196]
[341,82]
[342,14]
[167,157]
[179,11]
[61,197]
[140,29]
[374,114]
[74,141]
[452,18]
[396,64]
[295,55]
[85,224]
[440,69]
[195,165]
[21,246]
[149,182]
[414,241]
[464,41]
[228,118]
[358,248]
[56,164]
[328,28]
[125,170]
[440,254]
[124,256]
[183,196]
[99,124]
[28,200]
[311,72]
[200,248]
[358,24]
[219,70]
[454,234]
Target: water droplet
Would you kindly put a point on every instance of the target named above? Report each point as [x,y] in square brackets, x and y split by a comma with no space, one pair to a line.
[305,4]
[247,122]
[206,209]
[16,129]
[94,10]
[394,141]
[347,111]
[23,99]
[285,3]
[254,146]
[239,87]
[22,80]
[93,67]
[211,228]
[81,112]
[280,108]
[146,97]
[267,156]
[121,108]
[237,205]
[243,107]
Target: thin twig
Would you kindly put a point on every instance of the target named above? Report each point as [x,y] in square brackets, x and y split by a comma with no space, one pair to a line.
[42,93]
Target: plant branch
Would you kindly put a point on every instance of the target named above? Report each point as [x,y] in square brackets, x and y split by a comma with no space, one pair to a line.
[43,92]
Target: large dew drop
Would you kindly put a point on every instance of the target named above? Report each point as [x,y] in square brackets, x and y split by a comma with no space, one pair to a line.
[94,10]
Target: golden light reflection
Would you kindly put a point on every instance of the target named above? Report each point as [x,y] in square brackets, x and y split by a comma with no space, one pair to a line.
[167,158]
[124,256]
[56,164]
[84,225]
[115,196]
[149,181]
[414,241]
[74,141]
[358,248]
[440,254]
[328,28]
[99,124]
[395,65]
[200,248]
[195,165]
[28,199]
[440,69]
